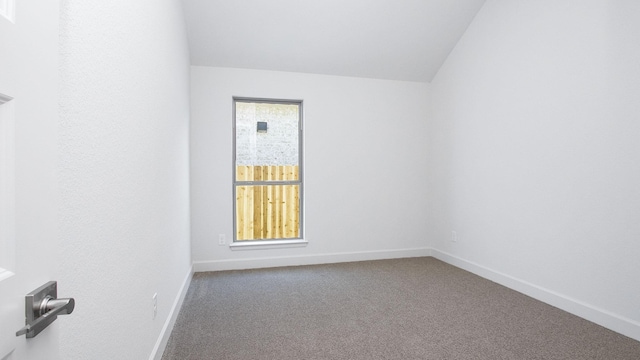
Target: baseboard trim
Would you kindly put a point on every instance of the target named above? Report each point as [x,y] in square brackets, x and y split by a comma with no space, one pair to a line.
[163,339]
[594,314]
[266,262]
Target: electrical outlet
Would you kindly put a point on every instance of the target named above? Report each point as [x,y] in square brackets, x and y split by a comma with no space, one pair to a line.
[454,236]
[222,239]
[155,304]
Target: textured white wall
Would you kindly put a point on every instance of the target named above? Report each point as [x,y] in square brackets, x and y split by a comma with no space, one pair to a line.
[123,171]
[364,166]
[535,151]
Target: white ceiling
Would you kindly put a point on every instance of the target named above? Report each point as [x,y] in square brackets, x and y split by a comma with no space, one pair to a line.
[384,39]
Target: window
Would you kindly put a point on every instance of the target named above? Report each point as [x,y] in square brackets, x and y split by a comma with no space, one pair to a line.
[267,180]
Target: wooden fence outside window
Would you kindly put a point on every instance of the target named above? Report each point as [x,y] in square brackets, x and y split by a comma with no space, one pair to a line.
[267,211]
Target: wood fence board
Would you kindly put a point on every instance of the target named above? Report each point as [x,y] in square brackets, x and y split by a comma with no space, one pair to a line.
[267,211]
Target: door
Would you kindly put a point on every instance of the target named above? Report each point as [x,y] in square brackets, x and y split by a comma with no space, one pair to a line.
[28,136]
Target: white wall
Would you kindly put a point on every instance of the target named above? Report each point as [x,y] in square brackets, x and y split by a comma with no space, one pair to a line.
[535,153]
[123,171]
[364,166]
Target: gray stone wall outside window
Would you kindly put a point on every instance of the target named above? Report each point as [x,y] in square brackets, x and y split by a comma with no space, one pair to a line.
[278,145]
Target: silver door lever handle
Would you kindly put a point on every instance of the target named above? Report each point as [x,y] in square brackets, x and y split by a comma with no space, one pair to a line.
[43,308]
[52,306]
[49,308]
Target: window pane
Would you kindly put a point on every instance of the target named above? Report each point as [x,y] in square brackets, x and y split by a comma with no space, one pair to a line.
[267,135]
[267,212]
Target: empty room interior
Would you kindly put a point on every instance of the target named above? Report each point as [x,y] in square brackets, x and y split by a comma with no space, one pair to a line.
[372,179]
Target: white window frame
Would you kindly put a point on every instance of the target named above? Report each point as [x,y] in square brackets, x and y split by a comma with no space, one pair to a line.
[270,243]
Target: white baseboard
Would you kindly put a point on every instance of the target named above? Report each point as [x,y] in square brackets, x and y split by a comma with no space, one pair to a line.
[599,316]
[265,262]
[163,339]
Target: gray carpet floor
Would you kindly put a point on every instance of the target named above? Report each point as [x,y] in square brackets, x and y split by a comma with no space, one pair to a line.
[418,308]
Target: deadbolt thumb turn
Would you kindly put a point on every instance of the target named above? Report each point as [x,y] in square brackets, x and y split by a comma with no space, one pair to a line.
[43,308]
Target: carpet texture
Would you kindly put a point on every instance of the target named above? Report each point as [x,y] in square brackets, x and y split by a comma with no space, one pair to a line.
[418,308]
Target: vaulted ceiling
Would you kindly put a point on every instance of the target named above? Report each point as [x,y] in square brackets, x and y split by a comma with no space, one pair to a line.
[385,39]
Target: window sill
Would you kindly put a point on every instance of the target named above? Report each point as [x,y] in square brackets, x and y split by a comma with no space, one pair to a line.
[268,244]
